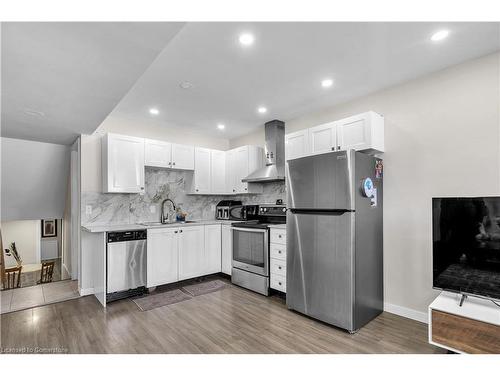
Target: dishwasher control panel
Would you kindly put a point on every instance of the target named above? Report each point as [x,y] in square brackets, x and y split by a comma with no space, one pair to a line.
[132,235]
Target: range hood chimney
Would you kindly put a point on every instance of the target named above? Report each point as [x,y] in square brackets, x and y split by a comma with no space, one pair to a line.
[275,154]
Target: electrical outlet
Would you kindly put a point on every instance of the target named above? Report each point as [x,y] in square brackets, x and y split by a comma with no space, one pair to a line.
[88,209]
[152,209]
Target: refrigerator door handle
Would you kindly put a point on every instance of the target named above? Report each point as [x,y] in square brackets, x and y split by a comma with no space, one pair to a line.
[319,211]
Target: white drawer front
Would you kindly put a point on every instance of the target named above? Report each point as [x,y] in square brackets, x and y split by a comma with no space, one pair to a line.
[278,251]
[278,282]
[278,236]
[278,267]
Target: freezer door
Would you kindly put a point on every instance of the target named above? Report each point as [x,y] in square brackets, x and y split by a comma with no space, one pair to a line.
[320,266]
[321,181]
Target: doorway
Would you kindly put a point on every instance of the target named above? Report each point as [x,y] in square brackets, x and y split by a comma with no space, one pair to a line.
[39,258]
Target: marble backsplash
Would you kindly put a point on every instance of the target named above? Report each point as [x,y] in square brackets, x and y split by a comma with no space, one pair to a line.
[116,208]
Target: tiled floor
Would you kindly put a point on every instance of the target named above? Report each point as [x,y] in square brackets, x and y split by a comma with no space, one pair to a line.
[38,295]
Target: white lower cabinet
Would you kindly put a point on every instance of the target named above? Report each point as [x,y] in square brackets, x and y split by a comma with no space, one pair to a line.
[162,256]
[227,250]
[213,241]
[184,252]
[191,251]
[278,259]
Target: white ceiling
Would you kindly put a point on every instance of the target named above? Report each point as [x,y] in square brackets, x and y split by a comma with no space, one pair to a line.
[62,79]
[284,68]
[76,73]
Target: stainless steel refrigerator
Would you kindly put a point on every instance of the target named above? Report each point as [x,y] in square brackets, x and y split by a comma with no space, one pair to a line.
[334,237]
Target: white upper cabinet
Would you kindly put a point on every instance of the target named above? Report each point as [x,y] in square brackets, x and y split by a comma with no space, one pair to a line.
[122,164]
[297,144]
[162,256]
[218,172]
[182,157]
[240,169]
[157,153]
[168,155]
[215,171]
[230,173]
[240,162]
[323,138]
[201,178]
[361,132]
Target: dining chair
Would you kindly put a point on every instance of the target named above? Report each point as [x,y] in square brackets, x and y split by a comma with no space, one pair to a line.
[12,277]
[47,272]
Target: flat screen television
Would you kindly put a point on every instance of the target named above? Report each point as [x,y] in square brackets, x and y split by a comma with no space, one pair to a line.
[466,245]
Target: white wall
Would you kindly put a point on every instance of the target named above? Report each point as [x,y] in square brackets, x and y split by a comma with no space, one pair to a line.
[26,235]
[91,144]
[34,179]
[442,135]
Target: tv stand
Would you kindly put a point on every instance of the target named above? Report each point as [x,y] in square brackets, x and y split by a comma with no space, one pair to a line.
[473,327]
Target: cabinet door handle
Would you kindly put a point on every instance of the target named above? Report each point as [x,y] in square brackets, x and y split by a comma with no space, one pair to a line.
[279,282]
[180,231]
[196,189]
[234,190]
[279,235]
[279,251]
[175,231]
[142,187]
[169,163]
[338,147]
[174,163]
[246,188]
[279,267]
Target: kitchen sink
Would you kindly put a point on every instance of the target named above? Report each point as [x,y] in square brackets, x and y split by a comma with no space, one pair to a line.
[158,224]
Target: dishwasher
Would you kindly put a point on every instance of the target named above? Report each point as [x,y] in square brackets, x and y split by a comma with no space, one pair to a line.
[125,264]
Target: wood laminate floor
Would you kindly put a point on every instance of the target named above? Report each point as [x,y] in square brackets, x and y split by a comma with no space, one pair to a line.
[232,320]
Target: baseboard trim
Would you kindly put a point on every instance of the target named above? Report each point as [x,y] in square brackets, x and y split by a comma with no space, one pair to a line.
[406,312]
[86,291]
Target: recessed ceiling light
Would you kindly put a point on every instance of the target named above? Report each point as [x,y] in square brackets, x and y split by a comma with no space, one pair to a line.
[440,35]
[220,126]
[247,39]
[154,111]
[186,85]
[262,109]
[327,82]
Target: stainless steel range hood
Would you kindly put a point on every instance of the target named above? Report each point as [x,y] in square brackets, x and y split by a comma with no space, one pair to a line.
[275,155]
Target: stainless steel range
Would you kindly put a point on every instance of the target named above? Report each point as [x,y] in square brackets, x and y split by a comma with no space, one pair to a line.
[251,246]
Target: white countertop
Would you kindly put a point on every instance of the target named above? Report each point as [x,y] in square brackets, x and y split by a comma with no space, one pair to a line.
[277,226]
[121,227]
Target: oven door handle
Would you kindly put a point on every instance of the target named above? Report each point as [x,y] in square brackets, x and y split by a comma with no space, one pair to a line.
[255,230]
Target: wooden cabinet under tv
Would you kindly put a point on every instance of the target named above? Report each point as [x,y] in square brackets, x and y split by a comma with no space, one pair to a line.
[471,328]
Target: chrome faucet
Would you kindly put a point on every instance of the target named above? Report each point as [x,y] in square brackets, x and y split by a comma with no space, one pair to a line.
[165,218]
